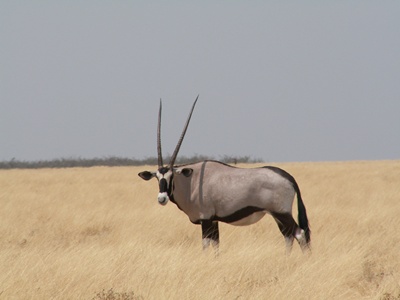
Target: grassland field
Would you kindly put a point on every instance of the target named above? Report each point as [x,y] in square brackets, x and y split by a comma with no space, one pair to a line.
[99,233]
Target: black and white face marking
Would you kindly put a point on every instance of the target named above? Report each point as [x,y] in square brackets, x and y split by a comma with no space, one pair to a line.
[164,176]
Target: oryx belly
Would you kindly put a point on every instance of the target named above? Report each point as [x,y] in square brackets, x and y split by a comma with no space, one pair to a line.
[251,219]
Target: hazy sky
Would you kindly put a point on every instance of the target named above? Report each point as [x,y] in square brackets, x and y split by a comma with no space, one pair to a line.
[278,80]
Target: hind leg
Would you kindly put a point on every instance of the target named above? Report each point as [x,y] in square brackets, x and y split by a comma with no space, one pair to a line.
[290,230]
[301,238]
[289,244]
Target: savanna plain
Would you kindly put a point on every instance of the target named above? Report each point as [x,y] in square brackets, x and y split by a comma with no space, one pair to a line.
[99,233]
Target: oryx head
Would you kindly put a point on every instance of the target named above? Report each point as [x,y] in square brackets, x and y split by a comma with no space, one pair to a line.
[165,174]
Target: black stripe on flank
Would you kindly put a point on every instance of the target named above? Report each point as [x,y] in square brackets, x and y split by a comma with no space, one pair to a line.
[238,215]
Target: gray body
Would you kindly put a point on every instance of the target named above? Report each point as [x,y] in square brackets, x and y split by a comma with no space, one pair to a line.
[216,191]
[209,192]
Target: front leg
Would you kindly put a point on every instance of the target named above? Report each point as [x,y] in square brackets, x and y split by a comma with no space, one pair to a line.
[210,234]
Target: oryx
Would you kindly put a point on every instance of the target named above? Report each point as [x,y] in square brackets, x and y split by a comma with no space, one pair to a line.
[209,192]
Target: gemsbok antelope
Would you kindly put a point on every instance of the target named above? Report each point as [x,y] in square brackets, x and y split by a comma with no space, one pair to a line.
[209,192]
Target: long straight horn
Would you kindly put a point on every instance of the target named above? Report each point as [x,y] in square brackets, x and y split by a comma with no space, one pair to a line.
[178,146]
[159,152]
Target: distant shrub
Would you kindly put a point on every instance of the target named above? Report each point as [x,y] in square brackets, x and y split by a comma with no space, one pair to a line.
[114,161]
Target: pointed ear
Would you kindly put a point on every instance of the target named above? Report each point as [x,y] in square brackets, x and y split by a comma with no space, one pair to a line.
[146,175]
[187,172]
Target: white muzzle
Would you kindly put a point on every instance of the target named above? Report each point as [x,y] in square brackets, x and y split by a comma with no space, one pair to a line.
[163,198]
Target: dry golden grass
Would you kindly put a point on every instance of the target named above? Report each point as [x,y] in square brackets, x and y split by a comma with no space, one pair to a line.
[99,233]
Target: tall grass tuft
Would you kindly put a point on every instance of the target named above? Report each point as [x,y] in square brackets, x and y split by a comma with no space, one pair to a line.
[112,295]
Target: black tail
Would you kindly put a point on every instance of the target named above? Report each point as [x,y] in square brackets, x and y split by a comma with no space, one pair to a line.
[302,217]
